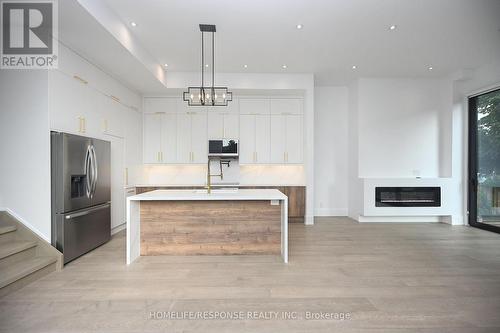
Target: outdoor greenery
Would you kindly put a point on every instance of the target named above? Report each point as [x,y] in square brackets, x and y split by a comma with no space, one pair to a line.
[488,107]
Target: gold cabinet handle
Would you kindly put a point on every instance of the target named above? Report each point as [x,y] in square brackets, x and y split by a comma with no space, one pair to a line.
[158,156]
[161,156]
[84,122]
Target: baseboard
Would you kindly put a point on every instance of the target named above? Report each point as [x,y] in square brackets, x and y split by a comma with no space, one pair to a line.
[26,224]
[118,228]
[399,219]
[330,212]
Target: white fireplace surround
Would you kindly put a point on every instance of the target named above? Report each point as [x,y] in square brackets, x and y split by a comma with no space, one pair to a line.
[370,213]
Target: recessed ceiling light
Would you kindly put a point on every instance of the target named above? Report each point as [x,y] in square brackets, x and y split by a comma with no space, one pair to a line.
[354,67]
[299,26]
[430,68]
[284,66]
[166,65]
[206,65]
[133,24]
[246,66]
[393,27]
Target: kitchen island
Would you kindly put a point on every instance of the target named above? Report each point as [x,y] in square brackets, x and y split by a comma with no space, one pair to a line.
[194,222]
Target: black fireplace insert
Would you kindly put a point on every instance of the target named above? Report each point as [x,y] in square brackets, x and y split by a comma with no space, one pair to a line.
[407,196]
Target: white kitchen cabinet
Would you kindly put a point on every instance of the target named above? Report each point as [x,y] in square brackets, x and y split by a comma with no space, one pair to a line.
[286,106]
[262,138]
[160,105]
[215,125]
[286,139]
[152,138]
[184,138]
[168,138]
[254,139]
[247,139]
[199,142]
[278,139]
[160,138]
[223,126]
[111,115]
[294,139]
[231,126]
[133,138]
[254,106]
[71,105]
[192,137]
[117,182]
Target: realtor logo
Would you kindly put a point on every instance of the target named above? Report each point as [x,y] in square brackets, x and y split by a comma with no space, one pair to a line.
[28,34]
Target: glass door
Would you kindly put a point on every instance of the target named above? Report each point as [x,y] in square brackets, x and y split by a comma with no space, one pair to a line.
[484,161]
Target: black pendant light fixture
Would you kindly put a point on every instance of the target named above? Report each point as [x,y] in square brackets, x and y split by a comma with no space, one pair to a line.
[207,95]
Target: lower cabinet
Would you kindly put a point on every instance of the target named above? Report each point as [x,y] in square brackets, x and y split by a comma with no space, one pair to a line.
[296,197]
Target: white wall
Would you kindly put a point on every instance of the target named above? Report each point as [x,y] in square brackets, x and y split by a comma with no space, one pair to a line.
[25,147]
[331,146]
[355,206]
[399,127]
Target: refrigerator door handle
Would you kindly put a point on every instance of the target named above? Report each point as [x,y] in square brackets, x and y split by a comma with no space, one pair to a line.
[88,190]
[86,212]
[95,173]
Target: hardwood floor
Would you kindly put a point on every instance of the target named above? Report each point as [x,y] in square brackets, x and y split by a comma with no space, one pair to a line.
[388,277]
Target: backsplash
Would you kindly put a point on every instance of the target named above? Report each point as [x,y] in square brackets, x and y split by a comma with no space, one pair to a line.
[196,175]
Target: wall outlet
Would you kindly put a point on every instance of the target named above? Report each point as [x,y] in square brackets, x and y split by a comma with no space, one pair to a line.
[275,202]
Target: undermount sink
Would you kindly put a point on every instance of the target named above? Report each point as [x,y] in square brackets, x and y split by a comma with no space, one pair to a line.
[218,190]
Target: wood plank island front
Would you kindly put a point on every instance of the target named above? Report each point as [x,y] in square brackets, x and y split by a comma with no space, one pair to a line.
[194,222]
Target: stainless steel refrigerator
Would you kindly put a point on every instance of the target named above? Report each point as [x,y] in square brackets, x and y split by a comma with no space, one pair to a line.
[81,193]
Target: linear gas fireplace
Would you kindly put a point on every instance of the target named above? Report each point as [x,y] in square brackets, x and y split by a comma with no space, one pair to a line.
[408,196]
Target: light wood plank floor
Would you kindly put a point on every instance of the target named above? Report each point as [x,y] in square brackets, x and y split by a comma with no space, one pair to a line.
[388,277]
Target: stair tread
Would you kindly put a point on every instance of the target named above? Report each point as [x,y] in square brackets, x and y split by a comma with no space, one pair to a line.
[7,228]
[23,268]
[12,247]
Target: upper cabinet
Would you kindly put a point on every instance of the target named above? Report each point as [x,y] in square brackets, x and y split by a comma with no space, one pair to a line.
[76,106]
[152,137]
[286,106]
[192,138]
[270,130]
[72,104]
[223,125]
[286,139]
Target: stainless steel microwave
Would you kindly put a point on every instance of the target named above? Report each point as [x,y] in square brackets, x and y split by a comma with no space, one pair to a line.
[223,147]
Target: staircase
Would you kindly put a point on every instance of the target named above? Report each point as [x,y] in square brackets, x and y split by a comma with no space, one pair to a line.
[24,256]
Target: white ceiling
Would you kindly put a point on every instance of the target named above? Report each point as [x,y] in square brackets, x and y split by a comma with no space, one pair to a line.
[448,35]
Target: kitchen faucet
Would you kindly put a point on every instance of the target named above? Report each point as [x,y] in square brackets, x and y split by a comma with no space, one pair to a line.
[209,176]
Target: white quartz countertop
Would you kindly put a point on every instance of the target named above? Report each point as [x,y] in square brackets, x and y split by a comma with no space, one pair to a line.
[217,194]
